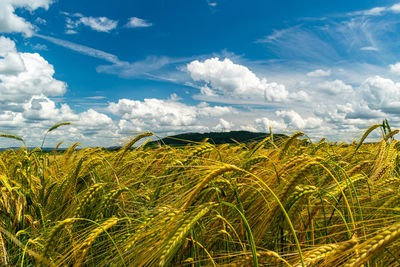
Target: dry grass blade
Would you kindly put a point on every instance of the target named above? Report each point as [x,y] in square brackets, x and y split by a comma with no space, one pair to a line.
[55,126]
[52,128]
[365,135]
[12,136]
[3,251]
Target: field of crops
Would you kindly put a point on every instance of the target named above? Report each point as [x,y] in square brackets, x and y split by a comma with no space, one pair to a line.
[287,203]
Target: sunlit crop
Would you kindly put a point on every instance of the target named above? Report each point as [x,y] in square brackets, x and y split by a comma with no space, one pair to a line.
[285,203]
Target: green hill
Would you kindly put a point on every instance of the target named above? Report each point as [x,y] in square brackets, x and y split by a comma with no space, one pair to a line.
[215,138]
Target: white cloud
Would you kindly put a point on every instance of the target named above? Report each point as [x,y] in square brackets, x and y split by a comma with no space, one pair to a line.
[223,126]
[233,80]
[375,11]
[11,62]
[301,96]
[166,115]
[70,32]
[395,8]
[319,73]
[40,107]
[160,112]
[382,93]
[265,124]
[88,127]
[92,118]
[23,75]
[135,22]
[359,110]
[40,47]
[211,3]
[82,49]
[100,24]
[144,68]
[138,68]
[378,11]
[41,21]
[395,68]
[205,110]
[11,22]
[10,119]
[293,120]
[335,87]
[369,48]
[309,44]
[27,85]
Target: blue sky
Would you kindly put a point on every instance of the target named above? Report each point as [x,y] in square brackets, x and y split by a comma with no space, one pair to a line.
[328,68]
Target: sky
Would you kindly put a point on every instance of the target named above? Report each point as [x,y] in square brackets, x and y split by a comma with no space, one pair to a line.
[118,68]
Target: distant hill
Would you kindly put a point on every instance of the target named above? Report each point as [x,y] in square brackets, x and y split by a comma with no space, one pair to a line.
[186,138]
[215,137]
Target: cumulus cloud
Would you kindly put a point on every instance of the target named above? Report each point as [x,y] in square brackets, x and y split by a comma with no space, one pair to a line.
[135,22]
[223,126]
[100,24]
[27,85]
[40,108]
[92,118]
[23,75]
[233,80]
[10,119]
[11,22]
[300,96]
[11,63]
[319,73]
[395,68]
[265,124]
[375,99]
[40,112]
[164,114]
[335,87]
[395,8]
[382,93]
[294,120]
[359,110]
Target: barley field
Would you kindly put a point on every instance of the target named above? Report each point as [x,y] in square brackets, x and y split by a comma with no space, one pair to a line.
[291,202]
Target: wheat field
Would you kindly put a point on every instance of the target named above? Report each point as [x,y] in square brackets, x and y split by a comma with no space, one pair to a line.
[284,203]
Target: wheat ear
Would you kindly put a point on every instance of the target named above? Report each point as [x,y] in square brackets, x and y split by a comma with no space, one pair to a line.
[181,233]
[94,235]
[205,181]
[375,245]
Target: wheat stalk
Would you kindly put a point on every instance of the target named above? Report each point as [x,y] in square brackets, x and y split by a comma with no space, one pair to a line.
[181,233]
[375,245]
[85,246]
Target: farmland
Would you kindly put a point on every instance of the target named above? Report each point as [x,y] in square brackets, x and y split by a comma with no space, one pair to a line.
[285,203]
